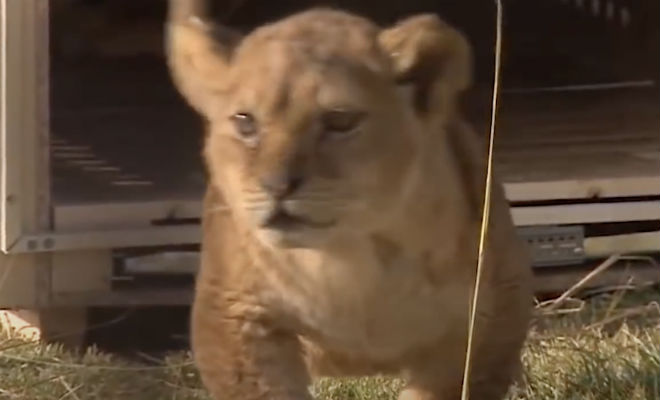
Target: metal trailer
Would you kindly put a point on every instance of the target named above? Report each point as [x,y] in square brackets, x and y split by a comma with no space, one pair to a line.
[101,177]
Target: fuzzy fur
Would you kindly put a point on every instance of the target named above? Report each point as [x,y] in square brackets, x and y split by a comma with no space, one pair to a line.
[386,287]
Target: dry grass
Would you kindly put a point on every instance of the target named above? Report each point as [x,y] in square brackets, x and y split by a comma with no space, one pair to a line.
[605,348]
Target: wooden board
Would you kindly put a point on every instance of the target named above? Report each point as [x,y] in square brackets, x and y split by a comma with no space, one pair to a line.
[24,110]
[586,213]
[552,280]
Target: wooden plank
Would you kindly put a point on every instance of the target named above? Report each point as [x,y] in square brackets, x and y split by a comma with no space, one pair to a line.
[24,61]
[167,262]
[543,166]
[586,213]
[122,215]
[18,274]
[582,189]
[132,297]
[14,105]
[632,243]
[81,271]
[138,237]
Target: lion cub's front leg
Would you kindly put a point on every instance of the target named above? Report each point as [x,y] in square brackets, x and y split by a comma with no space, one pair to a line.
[240,357]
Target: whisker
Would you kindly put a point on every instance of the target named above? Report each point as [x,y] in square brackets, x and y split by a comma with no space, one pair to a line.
[331,195]
[256,206]
[320,202]
[216,209]
[254,191]
[257,198]
[303,193]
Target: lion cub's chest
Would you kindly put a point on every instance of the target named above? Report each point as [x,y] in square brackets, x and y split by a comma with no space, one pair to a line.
[374,302]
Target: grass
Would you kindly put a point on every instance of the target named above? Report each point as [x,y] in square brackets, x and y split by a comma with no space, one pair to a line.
[607,347]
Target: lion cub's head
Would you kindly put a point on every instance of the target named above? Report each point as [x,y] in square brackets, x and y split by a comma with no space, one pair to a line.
[309,134]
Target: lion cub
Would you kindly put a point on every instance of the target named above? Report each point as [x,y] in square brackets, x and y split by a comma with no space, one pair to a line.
[354,191]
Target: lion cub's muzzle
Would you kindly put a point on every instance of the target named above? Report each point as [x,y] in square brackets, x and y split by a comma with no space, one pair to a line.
[280,219]
[284,213]
[286,223]
[281,184]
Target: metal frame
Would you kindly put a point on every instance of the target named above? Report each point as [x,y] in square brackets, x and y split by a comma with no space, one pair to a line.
[634,186]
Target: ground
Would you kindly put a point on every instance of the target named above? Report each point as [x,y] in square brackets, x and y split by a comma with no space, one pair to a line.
[604,347]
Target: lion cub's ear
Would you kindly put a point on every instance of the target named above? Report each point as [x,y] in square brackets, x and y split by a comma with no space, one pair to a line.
[198,52]
[432,57]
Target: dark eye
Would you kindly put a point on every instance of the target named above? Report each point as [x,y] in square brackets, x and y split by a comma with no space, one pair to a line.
[246,126]
[341,123]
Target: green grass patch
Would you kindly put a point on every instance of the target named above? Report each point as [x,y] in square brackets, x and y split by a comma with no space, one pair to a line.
[604,348]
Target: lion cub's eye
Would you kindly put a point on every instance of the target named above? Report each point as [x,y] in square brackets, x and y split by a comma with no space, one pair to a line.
[246,126]
[339,124]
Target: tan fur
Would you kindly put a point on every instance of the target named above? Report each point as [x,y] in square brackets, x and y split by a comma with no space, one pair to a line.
[385,287]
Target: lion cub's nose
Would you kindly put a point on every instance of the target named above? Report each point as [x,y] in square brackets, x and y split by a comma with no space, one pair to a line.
[281,184]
